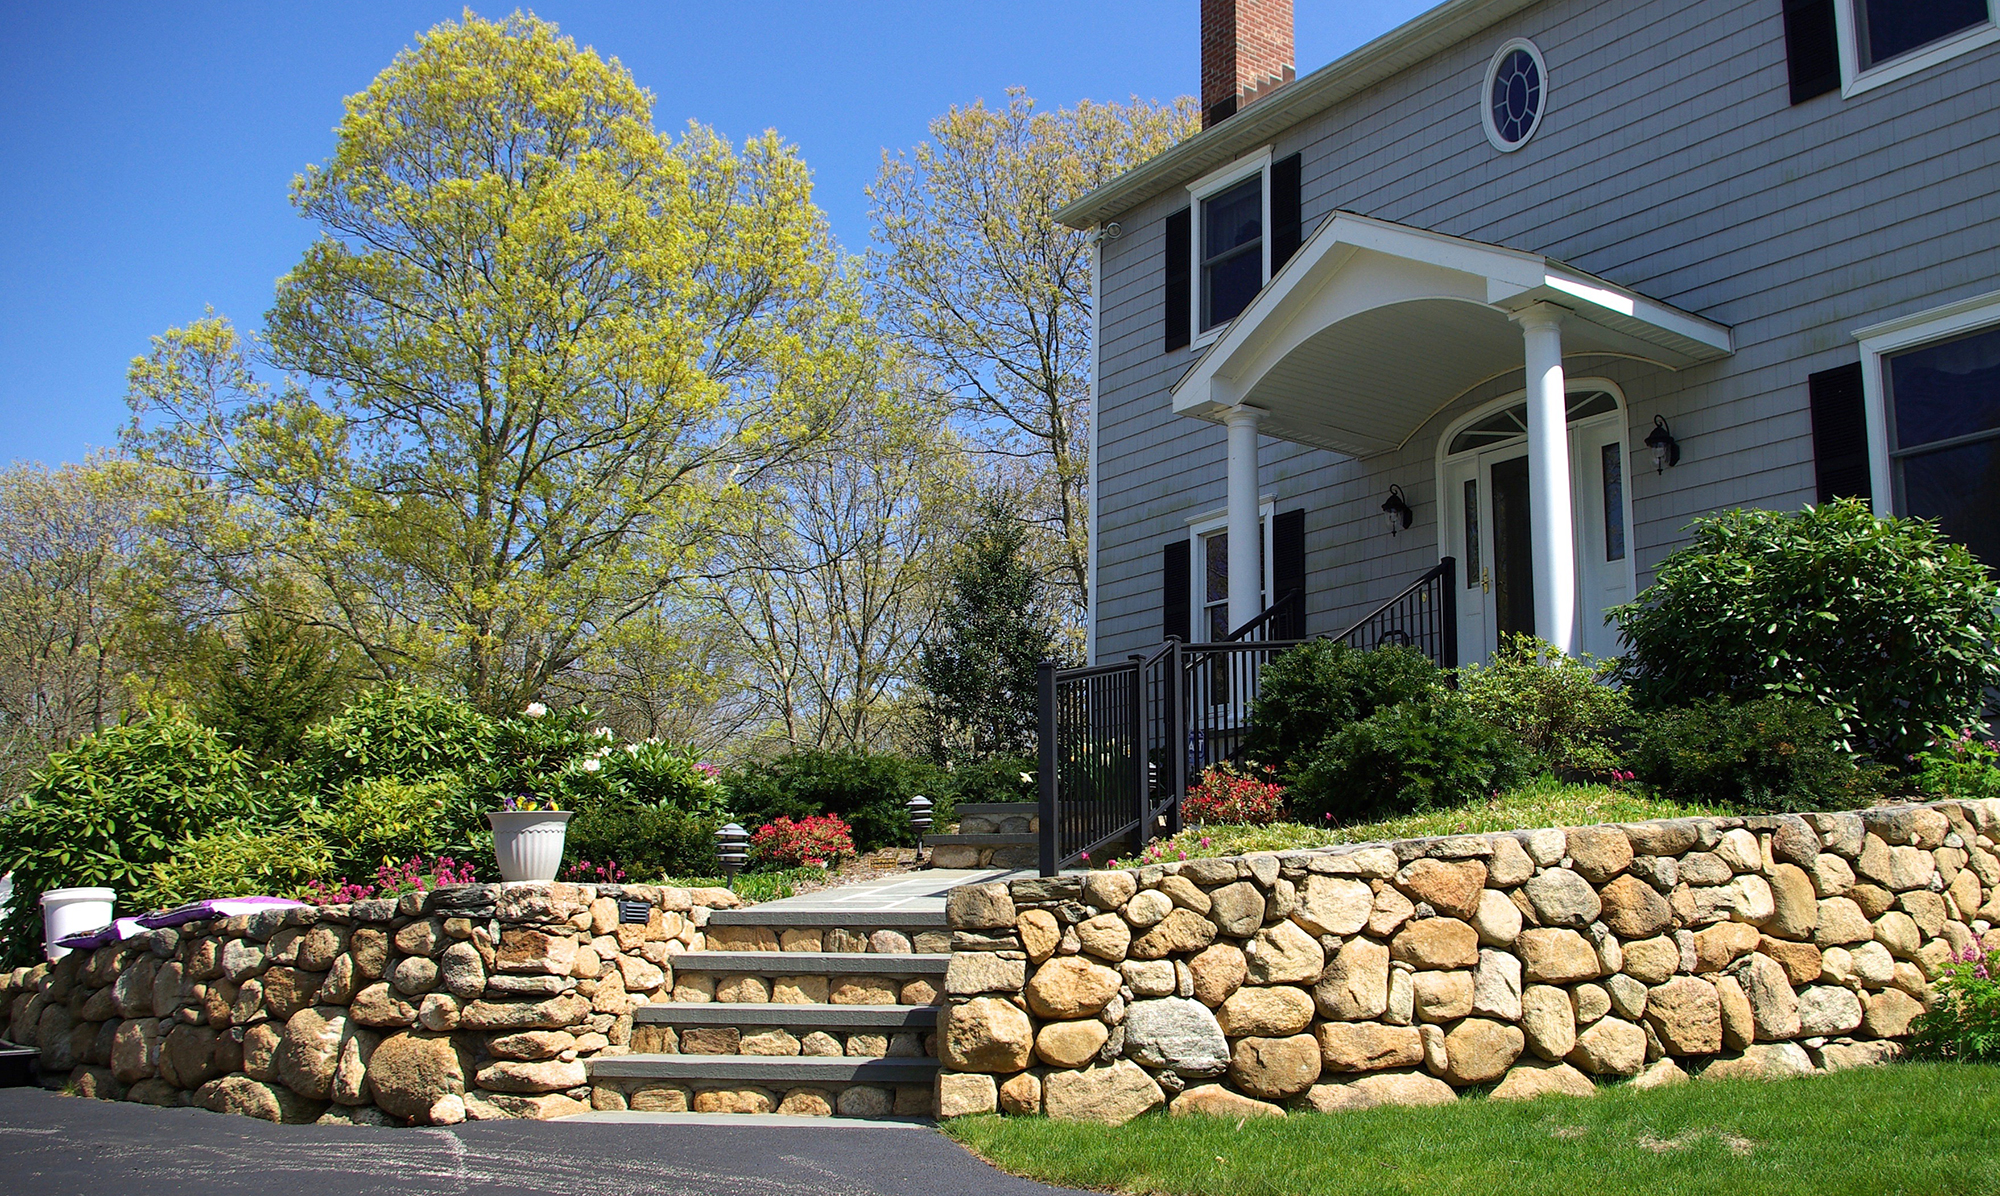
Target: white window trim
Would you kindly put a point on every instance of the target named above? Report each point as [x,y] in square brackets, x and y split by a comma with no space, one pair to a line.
[1854,80]
[1892,336]
[1201,189]
[1205,524]
[1486,93]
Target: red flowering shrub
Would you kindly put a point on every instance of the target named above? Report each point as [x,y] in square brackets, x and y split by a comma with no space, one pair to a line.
[583,872]
[819,840]
[1234,795]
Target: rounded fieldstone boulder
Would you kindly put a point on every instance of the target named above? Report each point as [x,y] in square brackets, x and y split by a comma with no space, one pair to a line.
[1451,887]
[1686,1012]
[1218,971]
[1633,909]
[1333,905]
[1039,934]
[1552,955]
[1527,1081]
[1562,898]
[1265,1011]
[1437,943]
[1071,987]
[1213,1100]
[310,1050]
[1274,1068]
[1070,1044]
[1180,932]
[1355,985]
[1236,909]
[1611,1047]
[1176,1033]
[986,1034]
[1478,1049]
[1367,1046]
[1284,954]
[409,1072]
[1111,1094]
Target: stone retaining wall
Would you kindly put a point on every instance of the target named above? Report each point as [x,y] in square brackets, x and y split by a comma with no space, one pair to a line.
[473,1001]
[1408,972]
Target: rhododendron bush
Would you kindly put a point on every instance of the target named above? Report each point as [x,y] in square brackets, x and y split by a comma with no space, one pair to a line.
[1233,795]
[818,841]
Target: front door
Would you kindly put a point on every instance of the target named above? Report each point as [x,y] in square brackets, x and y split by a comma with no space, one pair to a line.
[1494,546]
[1484,523]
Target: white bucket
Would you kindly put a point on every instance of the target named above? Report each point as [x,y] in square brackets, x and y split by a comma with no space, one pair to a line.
[528,844]
[73,911]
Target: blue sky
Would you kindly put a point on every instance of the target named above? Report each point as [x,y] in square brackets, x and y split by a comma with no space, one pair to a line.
[146,149]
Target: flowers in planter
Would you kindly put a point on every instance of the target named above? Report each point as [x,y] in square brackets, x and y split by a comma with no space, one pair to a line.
[522,803]
[816,841]
[1230,794]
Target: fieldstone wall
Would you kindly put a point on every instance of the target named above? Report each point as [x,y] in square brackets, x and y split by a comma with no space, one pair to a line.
[1409,972]
[472,1001]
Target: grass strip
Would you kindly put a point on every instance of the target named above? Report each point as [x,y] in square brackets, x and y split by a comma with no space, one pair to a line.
[1904,1129]
[1545,802]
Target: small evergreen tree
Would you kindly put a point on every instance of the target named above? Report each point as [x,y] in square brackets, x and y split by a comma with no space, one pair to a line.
[978,665]
[281,678]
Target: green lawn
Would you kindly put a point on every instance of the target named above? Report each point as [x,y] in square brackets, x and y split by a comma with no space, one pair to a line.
[1909,1128]
[1546,802]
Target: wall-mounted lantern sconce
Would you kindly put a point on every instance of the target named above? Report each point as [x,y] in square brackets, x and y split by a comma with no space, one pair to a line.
[1666,450]
[1396,510]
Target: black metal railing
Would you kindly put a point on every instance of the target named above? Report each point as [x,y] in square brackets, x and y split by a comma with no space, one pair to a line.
[1120,742]
[1424,616]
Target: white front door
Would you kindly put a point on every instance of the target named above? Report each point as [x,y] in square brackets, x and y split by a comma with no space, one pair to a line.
[1483,506]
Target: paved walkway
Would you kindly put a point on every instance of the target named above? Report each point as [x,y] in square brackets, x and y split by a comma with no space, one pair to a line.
[53,1145]
[900,897]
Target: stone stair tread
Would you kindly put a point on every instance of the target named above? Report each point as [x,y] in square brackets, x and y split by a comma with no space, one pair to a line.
[767,1069]
[859,1017]
[1026,839]
[998,809]
[811,963]
[846,919]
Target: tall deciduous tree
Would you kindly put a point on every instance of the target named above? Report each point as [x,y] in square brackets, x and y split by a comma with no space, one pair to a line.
[538,347]
[994,296]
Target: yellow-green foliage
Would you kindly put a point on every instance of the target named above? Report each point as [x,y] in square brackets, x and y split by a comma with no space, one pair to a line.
[385,820]
[236,860]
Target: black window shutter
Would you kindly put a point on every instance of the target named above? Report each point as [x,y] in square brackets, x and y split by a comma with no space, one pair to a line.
[1840,433]
[1288,573]
[1177,294]
[1812,48]
[1284,211]
[1176,592]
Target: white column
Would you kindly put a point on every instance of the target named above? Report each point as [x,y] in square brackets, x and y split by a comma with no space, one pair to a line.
[1246,537]
[1549,518]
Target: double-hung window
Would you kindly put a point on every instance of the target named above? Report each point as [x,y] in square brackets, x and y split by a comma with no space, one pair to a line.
[1932,393]
[1231,245]
[1856,45]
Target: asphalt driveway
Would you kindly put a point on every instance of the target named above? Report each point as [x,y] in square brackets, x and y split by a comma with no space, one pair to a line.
[52,1145]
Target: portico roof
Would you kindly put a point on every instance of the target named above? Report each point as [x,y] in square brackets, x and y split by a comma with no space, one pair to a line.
[1373,327]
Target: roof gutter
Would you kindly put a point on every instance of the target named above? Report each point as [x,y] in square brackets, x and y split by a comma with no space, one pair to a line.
[1402,47]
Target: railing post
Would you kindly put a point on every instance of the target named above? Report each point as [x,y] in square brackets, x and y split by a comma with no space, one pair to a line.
[1045,745]
[1448,612]
[1177,675]
[1142,804]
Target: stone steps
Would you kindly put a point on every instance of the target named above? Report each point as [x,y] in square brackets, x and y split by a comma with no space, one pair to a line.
[989,835]
[791,1009]
[810,963]
[818,1017]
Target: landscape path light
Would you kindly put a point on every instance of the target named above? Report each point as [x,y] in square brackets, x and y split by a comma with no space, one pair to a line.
[730,842]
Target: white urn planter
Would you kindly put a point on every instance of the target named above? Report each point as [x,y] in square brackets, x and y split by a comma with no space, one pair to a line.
[73,911]
[528,844]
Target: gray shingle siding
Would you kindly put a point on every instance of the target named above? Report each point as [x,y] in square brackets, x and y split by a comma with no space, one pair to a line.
[1669,161]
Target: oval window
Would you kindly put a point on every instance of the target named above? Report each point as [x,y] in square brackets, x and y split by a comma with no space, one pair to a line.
[1516,94]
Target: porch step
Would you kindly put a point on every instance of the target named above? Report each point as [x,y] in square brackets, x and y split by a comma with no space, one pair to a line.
[998,809]
[823,919]
[811,1017]
[983,840]
[765,1070]
[810,963]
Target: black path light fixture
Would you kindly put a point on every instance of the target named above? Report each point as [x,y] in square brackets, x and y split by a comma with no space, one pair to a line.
[1666,450]
[1396,510]
[730,844]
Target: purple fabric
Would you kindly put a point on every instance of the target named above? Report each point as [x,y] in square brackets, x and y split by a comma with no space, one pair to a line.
[214,907]
[123,928]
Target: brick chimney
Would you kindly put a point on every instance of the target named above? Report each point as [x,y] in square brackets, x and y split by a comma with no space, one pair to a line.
[1246,54]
